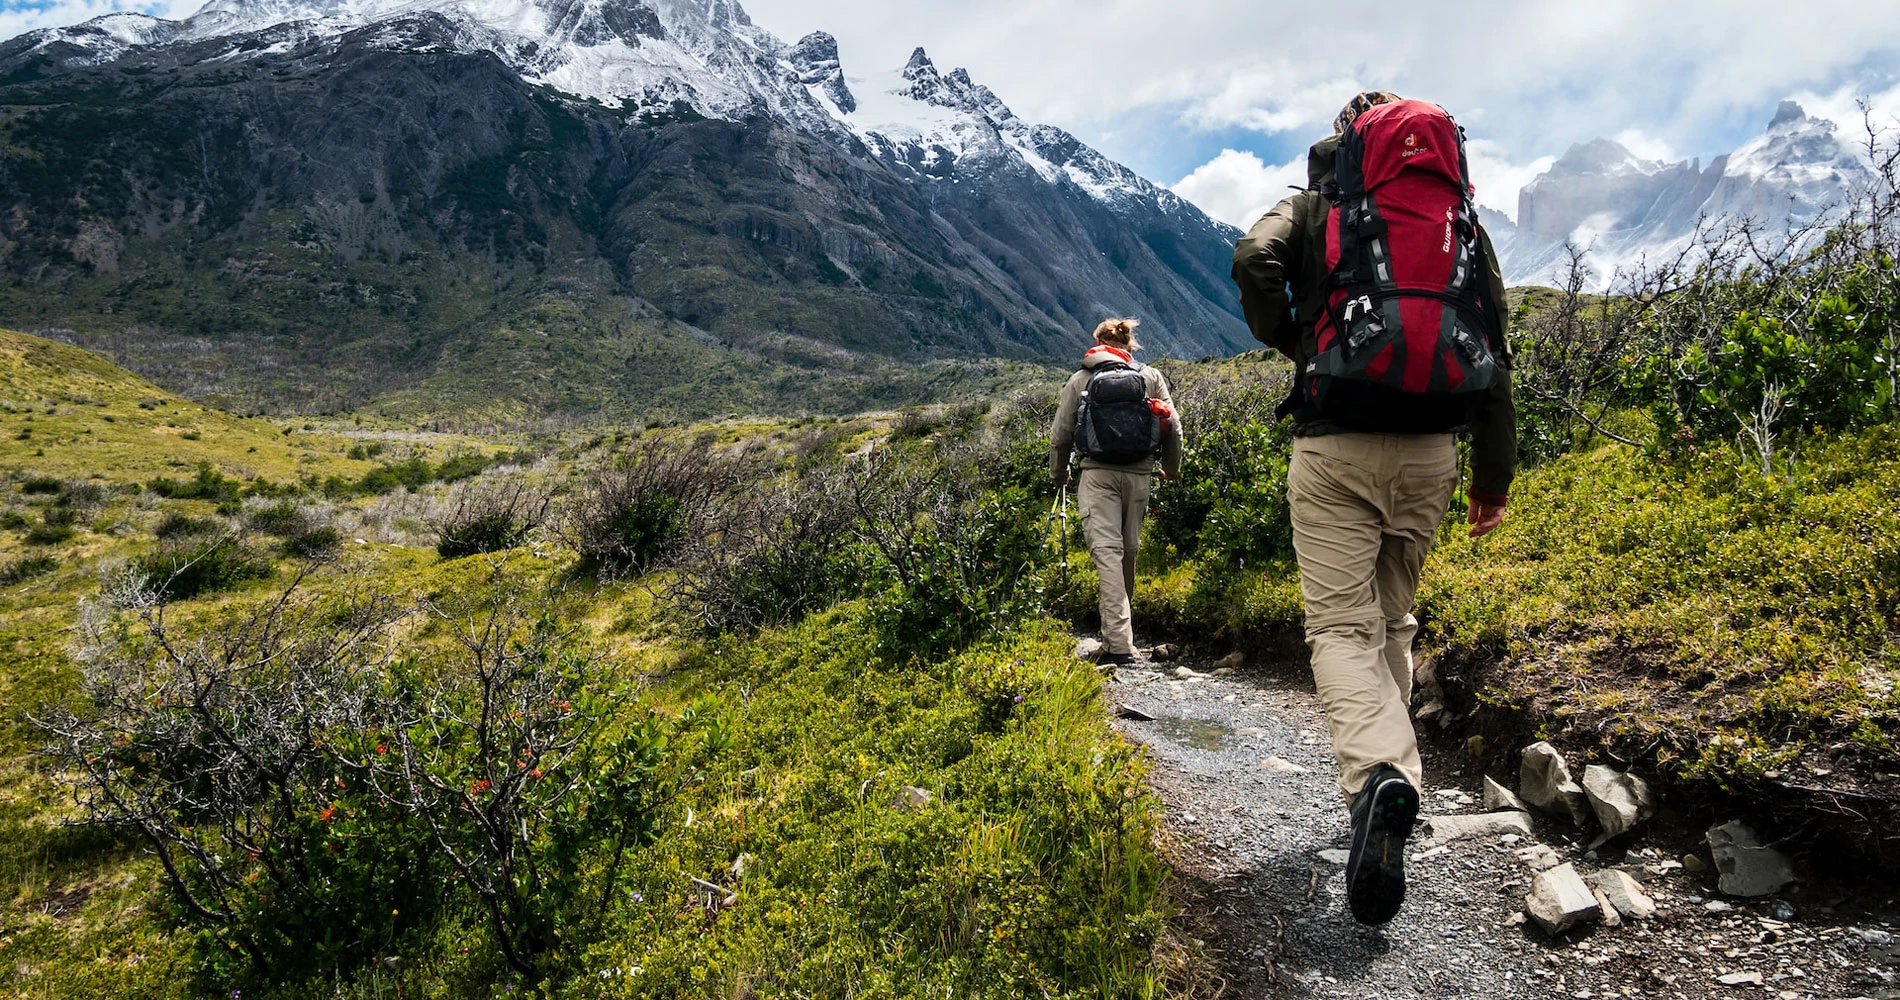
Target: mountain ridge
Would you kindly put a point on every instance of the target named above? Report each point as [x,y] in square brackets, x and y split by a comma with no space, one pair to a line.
[434,150]
[1625,209]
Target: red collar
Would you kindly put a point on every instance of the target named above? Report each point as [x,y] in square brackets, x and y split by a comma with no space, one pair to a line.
[1116,351]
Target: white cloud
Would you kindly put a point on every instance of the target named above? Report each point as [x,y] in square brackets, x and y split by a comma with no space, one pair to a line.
[1238,188]
[1534,75]
[1271,99]
[1647,146]
[15,20]
[1842,106]
[1498,178]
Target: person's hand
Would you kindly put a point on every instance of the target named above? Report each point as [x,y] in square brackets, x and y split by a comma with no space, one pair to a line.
[1484,517]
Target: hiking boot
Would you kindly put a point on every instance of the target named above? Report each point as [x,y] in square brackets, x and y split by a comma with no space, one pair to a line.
[1382,818]
[1116,659]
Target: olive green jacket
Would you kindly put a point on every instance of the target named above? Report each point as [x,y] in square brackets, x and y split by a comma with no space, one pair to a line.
[1288,247]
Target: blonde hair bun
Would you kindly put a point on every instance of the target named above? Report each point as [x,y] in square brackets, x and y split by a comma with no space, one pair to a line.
[1118,333]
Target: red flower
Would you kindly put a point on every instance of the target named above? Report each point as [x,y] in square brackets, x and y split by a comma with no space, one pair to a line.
[382,748]
[328,814]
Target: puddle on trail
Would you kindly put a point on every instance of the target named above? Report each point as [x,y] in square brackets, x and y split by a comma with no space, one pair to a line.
[1196,733]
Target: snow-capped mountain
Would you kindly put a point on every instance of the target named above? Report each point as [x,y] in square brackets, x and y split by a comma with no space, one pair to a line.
[1625,209]
[666,152]
[646,53]
[649,54]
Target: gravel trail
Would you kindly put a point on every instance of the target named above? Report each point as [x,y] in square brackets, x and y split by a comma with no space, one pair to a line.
[1257,838]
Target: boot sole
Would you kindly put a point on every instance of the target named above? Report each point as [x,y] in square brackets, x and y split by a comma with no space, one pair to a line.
[1375,885]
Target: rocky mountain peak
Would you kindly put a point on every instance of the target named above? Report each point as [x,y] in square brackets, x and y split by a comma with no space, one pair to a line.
[920,67]
[1788,115]
[815,59]
[1600,156]
[589,23]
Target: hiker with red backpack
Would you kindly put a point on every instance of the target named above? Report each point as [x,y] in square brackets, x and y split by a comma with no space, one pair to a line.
[1379,284]
[1116,415]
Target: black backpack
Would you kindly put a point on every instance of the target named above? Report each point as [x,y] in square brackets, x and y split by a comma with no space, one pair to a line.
[1115,425]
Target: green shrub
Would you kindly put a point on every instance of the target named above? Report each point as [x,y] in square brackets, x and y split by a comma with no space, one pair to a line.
[84,496]
[490,517]
[366,801]
[458,467]
[208,484]
[1029,872]
[634,513]
[1229,506]
[1757,606]
[177,525]
[261,487]
[412,473]
[955,563]
[187,567]
[13,520]
[41,484]
[314,543]
[26,568]
[768,556]
[283,518]
[50,532]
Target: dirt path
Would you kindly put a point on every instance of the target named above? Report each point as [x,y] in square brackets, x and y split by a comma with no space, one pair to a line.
[1259,856]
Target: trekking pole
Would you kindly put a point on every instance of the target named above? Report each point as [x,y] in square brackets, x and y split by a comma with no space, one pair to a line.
[1059,517]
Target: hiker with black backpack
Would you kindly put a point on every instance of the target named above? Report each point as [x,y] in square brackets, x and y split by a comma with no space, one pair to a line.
[1116,415]
[1379,284]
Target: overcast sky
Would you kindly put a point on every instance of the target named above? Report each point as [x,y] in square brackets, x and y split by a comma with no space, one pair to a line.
[1220,99]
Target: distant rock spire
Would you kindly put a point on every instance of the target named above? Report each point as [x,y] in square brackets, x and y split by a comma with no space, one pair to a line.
[1788,113]
[815,57]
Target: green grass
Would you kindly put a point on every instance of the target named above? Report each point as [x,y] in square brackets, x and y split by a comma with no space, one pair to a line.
[88,417]
[1029,871]
[1728,619]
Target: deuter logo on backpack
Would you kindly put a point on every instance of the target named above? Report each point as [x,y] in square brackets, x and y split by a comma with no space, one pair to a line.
[1407,341]
[1116,425]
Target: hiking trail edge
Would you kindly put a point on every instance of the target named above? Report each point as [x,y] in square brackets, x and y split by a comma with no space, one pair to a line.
[1256,835]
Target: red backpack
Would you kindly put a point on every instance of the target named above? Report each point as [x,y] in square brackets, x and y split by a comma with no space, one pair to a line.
[1407,342]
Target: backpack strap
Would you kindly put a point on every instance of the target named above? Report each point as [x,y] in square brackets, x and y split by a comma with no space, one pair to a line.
[1112,366]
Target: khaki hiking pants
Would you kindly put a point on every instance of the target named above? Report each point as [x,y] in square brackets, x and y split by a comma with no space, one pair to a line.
[1365,509]
[1113,504]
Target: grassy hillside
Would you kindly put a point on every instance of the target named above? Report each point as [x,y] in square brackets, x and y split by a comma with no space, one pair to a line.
[877,818]
[68,413]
